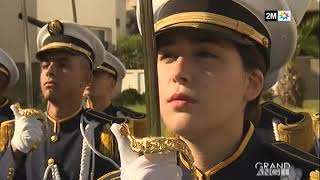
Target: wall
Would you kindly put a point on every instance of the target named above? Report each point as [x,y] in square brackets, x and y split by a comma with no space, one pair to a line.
[134,79]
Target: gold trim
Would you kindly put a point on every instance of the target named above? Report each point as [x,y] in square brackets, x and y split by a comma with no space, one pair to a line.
[56,122]
[316,125]
[107,70]
[226,162]
[211,18]
[6,133]
[5,103]
[30,113]
[299,134]
[65,118]
[4,71]
[57,45]
[314,175]
[149,145]
[110,175]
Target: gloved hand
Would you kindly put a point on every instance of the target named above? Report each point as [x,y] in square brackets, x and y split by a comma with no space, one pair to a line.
[156,166]
[27,131]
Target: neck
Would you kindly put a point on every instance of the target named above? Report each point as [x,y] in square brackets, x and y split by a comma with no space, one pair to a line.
[63,109]
[100,103]
[215,146]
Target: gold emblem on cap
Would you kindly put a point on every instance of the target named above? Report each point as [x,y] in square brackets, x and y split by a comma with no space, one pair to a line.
[55,27]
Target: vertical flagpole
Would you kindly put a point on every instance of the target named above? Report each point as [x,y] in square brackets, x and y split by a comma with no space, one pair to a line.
[28,63]
[74,11]
[150,67]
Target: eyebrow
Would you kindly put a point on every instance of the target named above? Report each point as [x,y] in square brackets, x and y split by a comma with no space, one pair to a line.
[204,38]
[169,40]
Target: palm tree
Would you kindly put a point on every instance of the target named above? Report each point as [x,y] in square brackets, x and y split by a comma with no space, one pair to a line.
[290,87]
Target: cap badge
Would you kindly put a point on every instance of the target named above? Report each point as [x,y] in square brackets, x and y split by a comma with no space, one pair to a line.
[55,27]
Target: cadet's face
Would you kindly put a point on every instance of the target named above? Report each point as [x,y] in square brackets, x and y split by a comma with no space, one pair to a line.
[62,77]
[201,83]
[102,85]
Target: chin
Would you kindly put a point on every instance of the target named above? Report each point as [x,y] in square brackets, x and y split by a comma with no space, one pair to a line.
[180,123]
[49,95]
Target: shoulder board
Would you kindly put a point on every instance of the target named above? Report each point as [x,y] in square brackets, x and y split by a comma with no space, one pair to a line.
[272,110]
[131,114]
[6,133]
[293,154]
[290,127]
[102,117]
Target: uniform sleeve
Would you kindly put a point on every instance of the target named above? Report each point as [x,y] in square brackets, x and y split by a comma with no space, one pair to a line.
[9,169]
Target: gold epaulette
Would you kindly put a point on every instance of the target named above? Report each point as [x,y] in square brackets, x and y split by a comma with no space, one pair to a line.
[314,175]
[108,143]
[299,134]
[316,124]
[6,133]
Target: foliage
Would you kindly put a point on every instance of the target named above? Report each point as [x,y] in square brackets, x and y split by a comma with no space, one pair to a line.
[129,97]
[129,51]
[290,87]
[308,43]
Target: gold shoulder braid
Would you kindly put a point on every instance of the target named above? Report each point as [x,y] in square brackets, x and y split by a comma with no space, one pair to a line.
[108,145]
[149,145]
[6,133]
[316,124]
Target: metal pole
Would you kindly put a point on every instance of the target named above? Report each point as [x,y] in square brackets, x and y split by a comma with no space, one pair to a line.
[28,63]
[150,67]
[74,11]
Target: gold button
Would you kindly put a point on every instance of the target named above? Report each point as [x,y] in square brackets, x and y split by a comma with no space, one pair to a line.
[265,42]
[11,169]
[50,161]
[54,138]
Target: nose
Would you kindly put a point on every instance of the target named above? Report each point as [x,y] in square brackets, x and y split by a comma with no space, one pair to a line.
[182,70]
[51,70]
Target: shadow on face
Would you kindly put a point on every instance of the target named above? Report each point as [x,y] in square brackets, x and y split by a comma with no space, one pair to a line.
[64,75]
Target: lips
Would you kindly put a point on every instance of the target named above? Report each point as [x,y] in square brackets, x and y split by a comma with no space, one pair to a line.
[181,100]
[50,83]
[181,97]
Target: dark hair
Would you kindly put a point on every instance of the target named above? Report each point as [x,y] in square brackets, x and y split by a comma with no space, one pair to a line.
[253,57]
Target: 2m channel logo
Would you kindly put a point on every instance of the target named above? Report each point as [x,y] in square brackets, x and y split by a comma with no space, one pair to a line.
[277,15]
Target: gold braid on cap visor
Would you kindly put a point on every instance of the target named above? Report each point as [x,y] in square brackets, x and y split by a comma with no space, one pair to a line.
[57,45]
[107,70]
[4,71]
[211,18]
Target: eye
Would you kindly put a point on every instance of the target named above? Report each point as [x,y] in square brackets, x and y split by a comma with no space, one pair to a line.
[205,54]
[45,64]
[167,57]
[62,63]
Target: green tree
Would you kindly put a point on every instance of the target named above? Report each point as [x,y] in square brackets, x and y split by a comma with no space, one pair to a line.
[290,86]
[129,50]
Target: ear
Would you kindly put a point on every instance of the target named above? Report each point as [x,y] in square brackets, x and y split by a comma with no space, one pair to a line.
[255,85]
